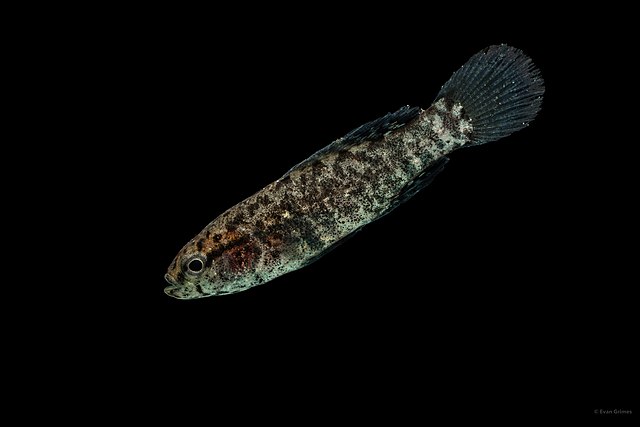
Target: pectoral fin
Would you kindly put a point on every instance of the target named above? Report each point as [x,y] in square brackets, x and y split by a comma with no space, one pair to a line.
[330,248]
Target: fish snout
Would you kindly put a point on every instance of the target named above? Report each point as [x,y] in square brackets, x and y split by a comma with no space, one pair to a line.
[170,280]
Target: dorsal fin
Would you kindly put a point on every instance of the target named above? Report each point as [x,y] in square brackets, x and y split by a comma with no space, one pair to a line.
[371,131]
[376,129]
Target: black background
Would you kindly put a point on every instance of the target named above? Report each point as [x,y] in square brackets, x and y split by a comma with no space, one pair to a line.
[502,290]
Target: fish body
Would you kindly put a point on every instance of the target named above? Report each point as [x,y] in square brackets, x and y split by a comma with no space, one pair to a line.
[355,180]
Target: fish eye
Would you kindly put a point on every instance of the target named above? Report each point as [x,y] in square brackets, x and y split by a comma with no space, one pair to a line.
[195,265]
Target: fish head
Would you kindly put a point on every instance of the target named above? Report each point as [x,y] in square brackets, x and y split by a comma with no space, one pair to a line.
[188,277]
[214,264]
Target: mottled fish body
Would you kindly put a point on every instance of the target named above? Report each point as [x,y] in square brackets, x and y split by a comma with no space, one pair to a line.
[357,179]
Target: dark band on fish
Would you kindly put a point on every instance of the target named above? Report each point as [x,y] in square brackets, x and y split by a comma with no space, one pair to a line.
[210,256]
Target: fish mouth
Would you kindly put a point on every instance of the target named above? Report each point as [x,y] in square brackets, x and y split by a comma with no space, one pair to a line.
[170,290]
[182,292]
[171,280]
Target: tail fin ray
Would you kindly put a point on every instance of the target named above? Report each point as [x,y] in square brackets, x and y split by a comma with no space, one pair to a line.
[500,90]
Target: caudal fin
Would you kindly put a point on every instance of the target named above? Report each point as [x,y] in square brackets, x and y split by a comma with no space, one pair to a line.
[500,90]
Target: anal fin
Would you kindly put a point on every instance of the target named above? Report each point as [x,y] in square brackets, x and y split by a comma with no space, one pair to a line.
[421,181]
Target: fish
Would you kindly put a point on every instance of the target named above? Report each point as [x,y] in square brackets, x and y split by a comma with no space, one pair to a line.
[326,199]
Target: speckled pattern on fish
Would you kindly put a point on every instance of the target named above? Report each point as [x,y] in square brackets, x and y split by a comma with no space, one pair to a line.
[356,180]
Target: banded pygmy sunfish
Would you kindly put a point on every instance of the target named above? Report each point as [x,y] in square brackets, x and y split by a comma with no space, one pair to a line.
[357,179]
